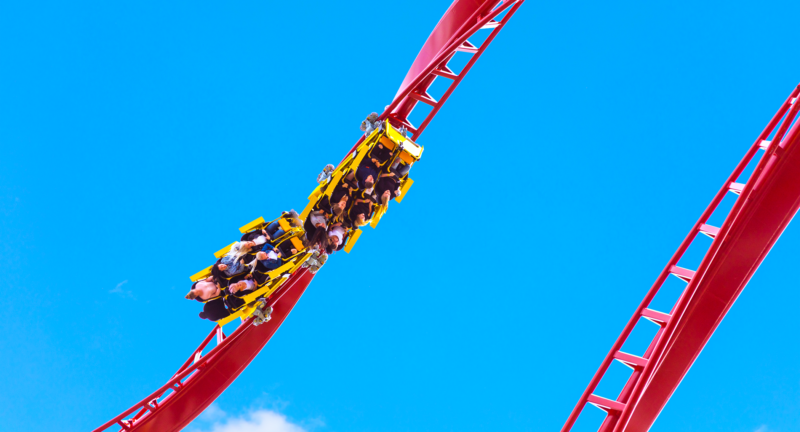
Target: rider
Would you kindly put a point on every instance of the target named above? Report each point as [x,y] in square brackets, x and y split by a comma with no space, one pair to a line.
[362,208]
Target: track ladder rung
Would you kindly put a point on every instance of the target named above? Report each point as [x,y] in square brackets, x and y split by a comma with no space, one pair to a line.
[709,230]
[681,273]
[411,128]
[604,404]
[630,360]
[467,47]
[491,24]
[736,188]
[656,317]
[425,98]
[445,72]
[764,144]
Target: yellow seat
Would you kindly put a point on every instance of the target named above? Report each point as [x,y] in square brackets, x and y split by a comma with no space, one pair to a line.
[317,191]
[293,234]
[405,156]
[307,210]
[290,235]
[377,216]
[351,241]
[221,253]
[411,150]
[404,189]
[276,280]
[202,274]
[284,224]
[334,182]
[297,243]
[252,225]
[388,143]
[362,151]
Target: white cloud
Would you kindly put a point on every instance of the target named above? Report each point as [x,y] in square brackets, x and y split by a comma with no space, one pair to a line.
[122,293]
[262,420]
[762,428]
[212,413]
[118,288]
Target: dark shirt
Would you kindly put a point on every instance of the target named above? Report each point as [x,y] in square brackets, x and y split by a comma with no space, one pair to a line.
[364,171]
[344,219]
[220,277]
[363,195]
[323,204]
[352,184]
[342,189]
[251,253]
[362,207]
[285,247]
[263,267]
[309,228]
[233,302]
[260,276]
[381,153]
[386,183]
[223,280]
[401,170]
[252,235]
[269,264]
[214,310]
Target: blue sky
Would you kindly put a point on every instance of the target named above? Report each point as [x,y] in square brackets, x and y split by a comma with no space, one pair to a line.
[556,182]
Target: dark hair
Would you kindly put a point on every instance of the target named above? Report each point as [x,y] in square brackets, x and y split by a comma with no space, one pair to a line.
[319,238]
[401,169]
[368,185]
[191,295]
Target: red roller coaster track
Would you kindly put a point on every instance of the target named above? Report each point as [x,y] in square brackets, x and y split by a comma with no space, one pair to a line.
[765,206]
[202,378]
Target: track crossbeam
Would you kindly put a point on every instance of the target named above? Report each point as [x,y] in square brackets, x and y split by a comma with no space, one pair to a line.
[772,197]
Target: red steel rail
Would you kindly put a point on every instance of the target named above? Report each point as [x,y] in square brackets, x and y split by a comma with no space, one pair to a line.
[766,204]
[440,48]
[202,378]
[463,20]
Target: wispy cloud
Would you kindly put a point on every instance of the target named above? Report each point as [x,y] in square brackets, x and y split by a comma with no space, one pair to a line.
[260,420]
[762,428]
[122,292]
[212,413]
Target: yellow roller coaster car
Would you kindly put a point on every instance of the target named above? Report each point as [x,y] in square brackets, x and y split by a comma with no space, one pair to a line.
[404,153]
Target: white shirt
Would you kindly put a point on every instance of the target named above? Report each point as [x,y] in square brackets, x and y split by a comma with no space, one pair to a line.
[338,231]
[318,219]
